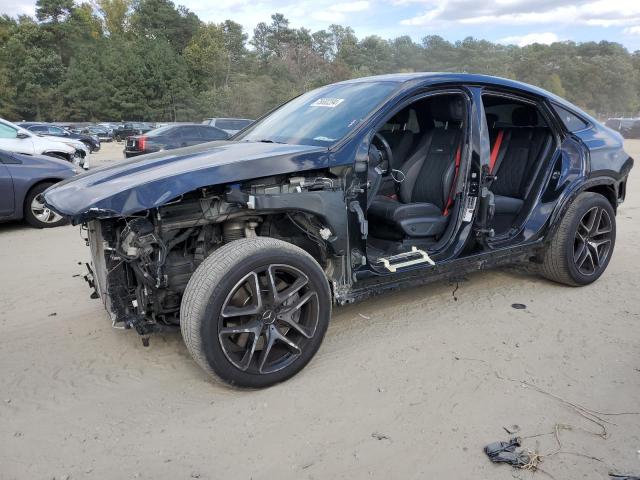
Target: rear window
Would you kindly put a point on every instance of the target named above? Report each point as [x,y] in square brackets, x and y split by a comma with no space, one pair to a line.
[232,124]
[570,119]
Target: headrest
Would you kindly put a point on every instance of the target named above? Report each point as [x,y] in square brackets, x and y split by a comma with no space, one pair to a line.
[492,118]
[447,108]
[400,118]
[524,117]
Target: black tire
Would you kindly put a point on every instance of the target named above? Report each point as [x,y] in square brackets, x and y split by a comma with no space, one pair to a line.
[30,215]
[563,260]
[213,287]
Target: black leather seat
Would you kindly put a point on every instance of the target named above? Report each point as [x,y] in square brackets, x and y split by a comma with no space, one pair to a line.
[524,145]
[400,139]
[428,177]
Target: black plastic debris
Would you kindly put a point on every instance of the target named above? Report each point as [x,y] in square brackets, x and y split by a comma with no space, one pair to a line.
[518,306]
[624,477]
[505,452]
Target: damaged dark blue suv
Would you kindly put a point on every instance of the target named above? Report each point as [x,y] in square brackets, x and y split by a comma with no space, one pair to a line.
[346,191]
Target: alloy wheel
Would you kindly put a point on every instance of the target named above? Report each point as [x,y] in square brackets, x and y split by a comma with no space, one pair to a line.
[268,318]
[42,212]
[592,243]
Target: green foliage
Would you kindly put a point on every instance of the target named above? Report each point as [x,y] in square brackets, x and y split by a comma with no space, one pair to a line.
[153,60]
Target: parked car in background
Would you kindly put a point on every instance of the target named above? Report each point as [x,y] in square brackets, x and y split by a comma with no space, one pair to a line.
[101,132]
[110,126]
[346,191]
[20,140]
[170,137]
[229,125]
[23,178]
[91,141]
[631,129]
[628,127]
[131,128]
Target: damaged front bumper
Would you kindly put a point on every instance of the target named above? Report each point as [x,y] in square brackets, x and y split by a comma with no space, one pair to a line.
[109,285]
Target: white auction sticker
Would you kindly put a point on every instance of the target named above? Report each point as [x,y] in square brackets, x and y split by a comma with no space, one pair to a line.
[327,102]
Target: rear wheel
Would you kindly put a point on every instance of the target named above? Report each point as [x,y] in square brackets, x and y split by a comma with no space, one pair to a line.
[255,311]
[36,213]
[582,246]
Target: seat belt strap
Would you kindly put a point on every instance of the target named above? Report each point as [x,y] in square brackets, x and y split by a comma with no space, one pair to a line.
[453,184]
[495,150]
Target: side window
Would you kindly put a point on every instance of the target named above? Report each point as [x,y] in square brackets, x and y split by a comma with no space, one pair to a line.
[39,129]
[570,120]
[56,131]
[7,132]
[213,134]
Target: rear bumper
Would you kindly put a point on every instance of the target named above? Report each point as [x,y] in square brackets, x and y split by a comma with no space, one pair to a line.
[132,153]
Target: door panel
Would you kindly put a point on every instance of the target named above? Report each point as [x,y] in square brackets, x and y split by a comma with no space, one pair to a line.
[7,200]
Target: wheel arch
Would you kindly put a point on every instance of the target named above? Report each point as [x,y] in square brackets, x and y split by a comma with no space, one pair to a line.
[33,185]
[605,186]
[67,156]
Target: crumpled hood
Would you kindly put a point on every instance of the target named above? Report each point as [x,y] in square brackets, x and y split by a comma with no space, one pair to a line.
[149,181]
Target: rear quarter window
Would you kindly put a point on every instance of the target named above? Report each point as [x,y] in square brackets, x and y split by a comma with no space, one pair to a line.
[572,121]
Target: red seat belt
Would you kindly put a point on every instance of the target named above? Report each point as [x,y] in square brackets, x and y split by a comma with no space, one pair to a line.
[453,184]
[495,150]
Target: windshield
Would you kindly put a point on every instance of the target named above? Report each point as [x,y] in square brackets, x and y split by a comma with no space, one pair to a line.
[321,117]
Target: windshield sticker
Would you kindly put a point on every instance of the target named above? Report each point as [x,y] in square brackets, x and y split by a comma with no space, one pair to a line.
[327,102]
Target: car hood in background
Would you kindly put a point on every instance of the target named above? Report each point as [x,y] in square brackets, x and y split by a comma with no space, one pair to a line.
[149,181]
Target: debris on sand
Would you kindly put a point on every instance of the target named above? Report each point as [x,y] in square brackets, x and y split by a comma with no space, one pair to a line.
[505,452]
[518,306]
[380,436]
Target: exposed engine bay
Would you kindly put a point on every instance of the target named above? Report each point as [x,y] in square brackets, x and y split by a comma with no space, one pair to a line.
[142,263]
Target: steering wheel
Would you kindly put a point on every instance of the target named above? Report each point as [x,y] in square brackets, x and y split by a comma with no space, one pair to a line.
[387,151]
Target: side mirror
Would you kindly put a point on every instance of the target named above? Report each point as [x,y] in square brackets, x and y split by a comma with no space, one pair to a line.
[22,135]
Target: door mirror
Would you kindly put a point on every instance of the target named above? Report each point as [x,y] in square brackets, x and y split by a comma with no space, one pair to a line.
[22,135]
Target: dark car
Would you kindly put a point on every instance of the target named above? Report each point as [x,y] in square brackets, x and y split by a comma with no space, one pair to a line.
[628,127]
[129,129]
[347,191]
[102,133]
[631,129]
[23,178]
[91,141]
[170,137]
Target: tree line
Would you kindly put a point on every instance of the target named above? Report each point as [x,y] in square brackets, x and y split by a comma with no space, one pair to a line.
[152,60]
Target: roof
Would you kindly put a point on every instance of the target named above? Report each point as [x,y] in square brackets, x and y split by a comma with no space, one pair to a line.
[437,78]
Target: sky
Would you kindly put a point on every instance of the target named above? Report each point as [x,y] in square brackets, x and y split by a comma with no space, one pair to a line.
[518,22]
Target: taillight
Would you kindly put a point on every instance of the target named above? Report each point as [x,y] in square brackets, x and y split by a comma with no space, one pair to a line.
[141,143]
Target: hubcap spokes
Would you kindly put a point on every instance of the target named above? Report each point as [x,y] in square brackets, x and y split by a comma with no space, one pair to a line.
[267,319]
[592,242]
[42,212]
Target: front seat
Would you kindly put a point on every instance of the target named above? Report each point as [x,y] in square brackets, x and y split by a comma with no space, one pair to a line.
[401,141]
[424,197]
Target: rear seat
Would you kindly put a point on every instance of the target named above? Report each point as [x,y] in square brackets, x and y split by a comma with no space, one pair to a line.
[522,146]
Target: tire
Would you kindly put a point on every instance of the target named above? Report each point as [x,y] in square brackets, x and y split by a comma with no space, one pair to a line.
[579,251]
[48,218]
[221,344]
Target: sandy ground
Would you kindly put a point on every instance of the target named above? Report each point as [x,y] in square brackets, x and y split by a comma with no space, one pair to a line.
[410,386]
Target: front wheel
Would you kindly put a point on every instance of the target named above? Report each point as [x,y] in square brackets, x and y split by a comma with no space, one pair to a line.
[581,248]
[255,311]
[36,213]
